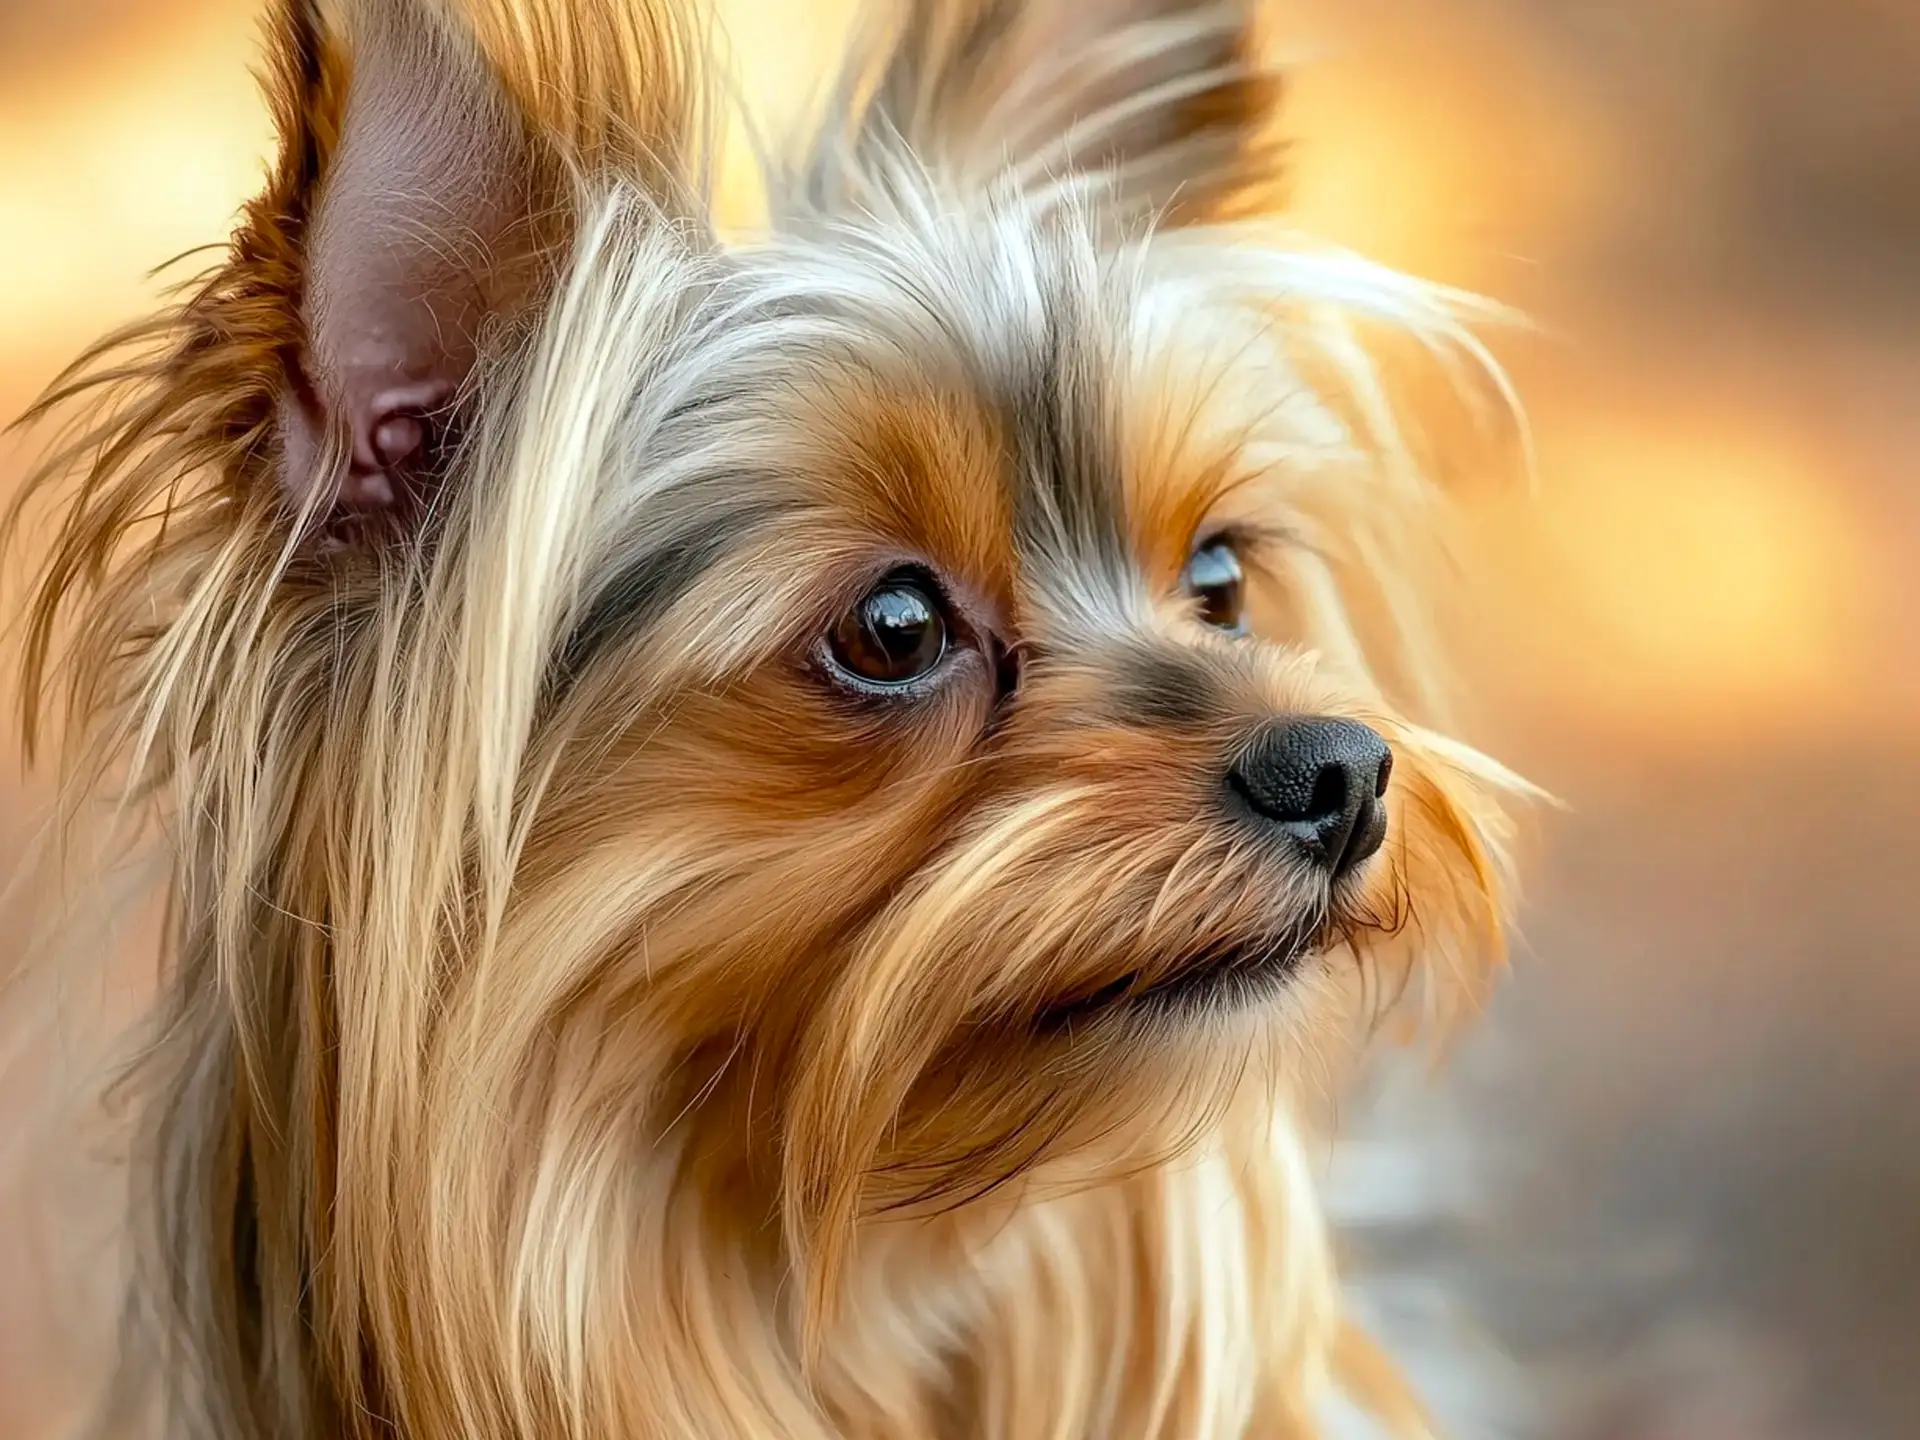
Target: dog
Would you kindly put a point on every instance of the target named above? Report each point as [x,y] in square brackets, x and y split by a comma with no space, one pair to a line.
[769,835]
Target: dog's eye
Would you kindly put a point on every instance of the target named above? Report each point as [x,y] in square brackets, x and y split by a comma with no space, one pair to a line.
[1214,577]
[895,635]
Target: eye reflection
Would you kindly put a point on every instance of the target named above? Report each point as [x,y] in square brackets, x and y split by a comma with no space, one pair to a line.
[1215,577]
[896,634]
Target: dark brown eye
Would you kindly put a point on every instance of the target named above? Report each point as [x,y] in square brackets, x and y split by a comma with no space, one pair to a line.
[894,636]
[1213,577]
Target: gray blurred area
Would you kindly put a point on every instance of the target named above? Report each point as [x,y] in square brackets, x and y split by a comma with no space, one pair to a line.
[1670,1190]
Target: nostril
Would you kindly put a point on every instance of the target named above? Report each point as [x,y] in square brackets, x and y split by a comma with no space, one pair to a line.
[1329,797]
[1384,774]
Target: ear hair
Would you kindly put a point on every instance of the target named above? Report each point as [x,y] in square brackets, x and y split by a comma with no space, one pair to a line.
[1165,104]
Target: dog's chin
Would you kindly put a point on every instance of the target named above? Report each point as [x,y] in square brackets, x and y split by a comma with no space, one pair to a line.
[1228,974]
[1219,977]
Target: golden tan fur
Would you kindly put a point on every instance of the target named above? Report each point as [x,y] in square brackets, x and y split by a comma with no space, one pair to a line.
[597,1027]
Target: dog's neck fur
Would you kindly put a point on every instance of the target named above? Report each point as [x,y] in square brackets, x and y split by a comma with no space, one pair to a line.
[1195,1299]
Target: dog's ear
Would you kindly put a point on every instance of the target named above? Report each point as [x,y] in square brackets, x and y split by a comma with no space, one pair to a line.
[420,206]
[1167,103]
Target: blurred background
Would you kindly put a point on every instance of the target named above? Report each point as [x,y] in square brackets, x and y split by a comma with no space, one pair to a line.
[1671,1190]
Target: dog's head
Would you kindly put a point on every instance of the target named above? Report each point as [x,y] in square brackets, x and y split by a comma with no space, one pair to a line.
[861,714]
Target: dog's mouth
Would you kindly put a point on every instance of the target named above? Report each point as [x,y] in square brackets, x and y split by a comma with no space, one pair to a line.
[1227,974]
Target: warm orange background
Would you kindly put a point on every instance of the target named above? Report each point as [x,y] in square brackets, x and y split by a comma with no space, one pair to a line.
[1698,1099]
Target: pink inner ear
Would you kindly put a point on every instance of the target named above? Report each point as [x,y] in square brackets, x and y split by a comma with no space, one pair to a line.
[420,233]
[391,425]
[390,430]
[394,438]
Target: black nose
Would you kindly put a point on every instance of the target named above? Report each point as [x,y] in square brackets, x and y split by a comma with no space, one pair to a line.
[1321,782]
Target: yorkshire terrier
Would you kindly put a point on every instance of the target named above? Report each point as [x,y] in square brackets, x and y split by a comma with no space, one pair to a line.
[776,835]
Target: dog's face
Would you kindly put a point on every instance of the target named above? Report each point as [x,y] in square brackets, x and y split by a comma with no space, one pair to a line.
[982,774]
[969,689]
[861,716]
